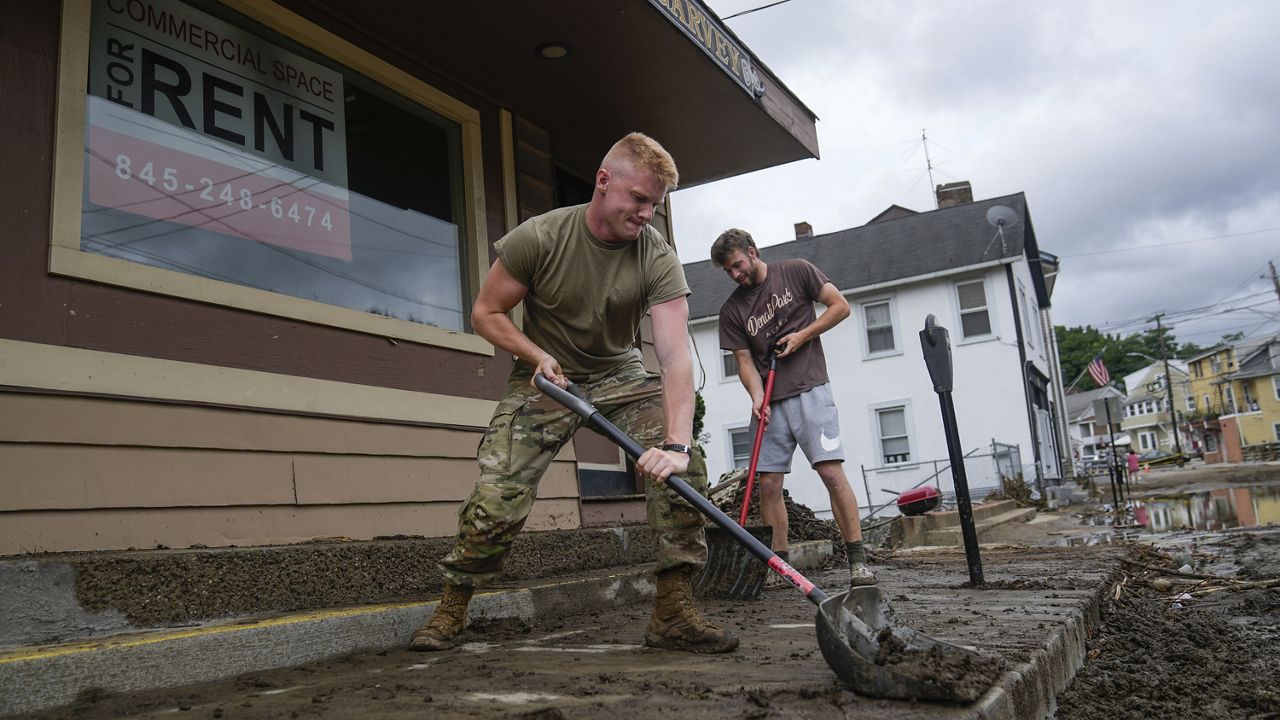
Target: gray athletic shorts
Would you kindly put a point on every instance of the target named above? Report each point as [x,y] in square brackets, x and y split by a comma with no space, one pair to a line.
[809,420]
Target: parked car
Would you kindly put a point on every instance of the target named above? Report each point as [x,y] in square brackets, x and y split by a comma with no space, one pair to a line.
[1158,457]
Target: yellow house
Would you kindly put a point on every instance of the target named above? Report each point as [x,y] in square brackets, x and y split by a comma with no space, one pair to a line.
[1256,387]
[1234,408]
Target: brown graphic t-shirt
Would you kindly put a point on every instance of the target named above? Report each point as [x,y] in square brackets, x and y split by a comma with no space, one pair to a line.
[756,318]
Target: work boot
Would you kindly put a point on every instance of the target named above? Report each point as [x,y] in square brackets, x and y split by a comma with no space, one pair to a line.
[446,622]
[677,625]
[860,574]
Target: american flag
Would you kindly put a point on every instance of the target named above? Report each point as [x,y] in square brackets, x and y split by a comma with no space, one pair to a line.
[1098,371]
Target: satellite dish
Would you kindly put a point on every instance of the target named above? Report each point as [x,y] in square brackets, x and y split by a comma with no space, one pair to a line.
[1000,217]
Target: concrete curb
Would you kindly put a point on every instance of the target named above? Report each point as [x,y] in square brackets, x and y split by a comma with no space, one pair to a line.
[1030,690]
[44,677]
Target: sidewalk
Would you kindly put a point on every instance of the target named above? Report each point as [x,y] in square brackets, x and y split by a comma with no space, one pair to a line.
[1038,608]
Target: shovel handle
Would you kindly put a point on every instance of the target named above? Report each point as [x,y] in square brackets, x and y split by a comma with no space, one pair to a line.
[633,450]
[760,427]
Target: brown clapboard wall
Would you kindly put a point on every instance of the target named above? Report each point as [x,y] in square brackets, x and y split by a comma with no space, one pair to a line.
[81,473]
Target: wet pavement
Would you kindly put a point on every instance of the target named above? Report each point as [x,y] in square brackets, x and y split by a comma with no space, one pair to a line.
[1034,614]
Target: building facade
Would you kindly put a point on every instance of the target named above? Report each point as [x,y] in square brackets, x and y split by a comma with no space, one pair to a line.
[1147,418]
[242,240]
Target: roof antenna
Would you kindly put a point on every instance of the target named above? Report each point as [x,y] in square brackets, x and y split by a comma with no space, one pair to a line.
[1001,217]
[929,167]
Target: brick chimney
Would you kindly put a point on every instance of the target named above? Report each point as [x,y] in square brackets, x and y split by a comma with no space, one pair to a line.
[956,193]
[803,230]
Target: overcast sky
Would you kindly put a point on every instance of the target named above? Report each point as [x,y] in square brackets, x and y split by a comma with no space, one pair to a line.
[1137,130]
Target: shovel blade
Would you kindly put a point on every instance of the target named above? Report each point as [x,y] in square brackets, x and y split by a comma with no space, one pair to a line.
[732,572]
[875,654]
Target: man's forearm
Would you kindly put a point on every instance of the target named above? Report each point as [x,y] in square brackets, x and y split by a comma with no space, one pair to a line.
[677,402]
[498,329]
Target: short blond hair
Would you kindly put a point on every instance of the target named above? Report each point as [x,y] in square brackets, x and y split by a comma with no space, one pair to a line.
[643,151]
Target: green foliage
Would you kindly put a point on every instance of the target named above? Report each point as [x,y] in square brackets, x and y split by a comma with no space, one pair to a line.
[699,410]
[1123,355]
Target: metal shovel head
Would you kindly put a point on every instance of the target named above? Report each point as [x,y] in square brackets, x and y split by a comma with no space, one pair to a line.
[732,572]
[875,654]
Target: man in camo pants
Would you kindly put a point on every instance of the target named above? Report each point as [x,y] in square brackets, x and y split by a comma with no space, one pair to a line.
[586,275]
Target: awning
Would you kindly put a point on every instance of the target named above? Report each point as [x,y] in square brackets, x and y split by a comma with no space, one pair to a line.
[668,68]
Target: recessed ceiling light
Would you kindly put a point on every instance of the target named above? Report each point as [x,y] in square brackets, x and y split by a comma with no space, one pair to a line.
[552,50]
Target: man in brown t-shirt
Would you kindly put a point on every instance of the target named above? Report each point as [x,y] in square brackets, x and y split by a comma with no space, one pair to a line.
[773,308]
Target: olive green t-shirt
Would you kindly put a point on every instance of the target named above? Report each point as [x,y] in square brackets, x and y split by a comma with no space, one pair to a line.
[587,297]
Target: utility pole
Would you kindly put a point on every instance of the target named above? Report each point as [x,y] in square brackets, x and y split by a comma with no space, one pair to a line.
[1168,381]
[1275,281]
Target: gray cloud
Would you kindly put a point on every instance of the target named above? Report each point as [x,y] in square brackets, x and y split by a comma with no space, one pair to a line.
[1127,125]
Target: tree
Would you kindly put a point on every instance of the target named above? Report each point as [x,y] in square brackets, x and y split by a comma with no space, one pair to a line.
[1078,345]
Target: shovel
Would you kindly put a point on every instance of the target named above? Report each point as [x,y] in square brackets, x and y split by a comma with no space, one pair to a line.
[868,648]
[731,572]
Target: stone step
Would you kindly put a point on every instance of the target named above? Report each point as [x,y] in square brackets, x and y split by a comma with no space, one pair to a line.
[952,535]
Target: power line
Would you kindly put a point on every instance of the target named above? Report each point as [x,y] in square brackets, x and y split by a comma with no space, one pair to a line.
[1167,244]
[754,9]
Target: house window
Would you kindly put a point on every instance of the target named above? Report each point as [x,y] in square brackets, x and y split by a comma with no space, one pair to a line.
[1210,442]
[1147,440]
[1230,399]
[1086,429]
[728,364]
[1275,431]
[974,319]
[1215,365]
[895,446]
[1198,368]
[1191,403]
[740,447]
[1275,385]
[879,323]
[1027,314]
[308,182]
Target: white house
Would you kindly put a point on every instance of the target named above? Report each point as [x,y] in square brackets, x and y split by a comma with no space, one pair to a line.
[1087,431]
[1146,407]
[985,284]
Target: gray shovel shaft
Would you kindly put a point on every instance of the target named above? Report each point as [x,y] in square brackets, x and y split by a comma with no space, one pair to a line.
[681,488]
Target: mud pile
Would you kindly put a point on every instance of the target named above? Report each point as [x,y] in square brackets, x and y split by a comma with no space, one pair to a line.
[1186,644]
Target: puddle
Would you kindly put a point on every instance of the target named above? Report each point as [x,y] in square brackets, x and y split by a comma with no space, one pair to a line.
[1220,509]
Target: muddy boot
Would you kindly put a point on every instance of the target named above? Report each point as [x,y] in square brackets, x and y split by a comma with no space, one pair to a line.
[677,625]
[446,622]
[859,573]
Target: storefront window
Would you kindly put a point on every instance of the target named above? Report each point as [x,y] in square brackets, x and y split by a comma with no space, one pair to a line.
[217,148]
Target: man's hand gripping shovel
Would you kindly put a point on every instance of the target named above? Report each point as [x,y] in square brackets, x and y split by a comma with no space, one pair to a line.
[869,649]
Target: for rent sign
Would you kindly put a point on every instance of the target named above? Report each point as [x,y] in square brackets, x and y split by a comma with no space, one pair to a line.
[196,121]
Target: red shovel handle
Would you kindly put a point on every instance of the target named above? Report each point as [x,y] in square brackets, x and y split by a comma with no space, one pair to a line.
[755,448]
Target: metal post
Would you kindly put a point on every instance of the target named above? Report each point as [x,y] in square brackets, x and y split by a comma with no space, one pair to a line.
[937,356]
[1111,465]
[866,486]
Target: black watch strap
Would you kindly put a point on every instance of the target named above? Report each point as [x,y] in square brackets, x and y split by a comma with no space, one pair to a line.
[676,447]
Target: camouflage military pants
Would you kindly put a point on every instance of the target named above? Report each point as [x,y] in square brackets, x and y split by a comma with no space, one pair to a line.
[526,432]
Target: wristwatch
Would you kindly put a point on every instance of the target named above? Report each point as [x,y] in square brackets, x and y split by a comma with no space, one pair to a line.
[676,447]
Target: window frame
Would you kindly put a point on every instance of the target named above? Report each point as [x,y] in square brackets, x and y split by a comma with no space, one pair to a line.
[729,433]
[865,341]
[725,376]
[67,259]
[1275,385]
[961,312]
[875,409]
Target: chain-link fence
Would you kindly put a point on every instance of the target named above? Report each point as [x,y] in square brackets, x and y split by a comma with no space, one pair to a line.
[985,468]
